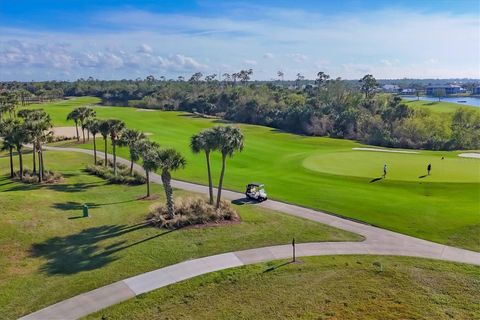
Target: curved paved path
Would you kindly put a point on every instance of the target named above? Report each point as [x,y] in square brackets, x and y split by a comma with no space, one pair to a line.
[377,242]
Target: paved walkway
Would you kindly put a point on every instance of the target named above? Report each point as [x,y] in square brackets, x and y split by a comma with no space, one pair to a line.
[377,242]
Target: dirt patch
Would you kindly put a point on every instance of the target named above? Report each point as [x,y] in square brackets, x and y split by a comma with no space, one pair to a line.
[152,197]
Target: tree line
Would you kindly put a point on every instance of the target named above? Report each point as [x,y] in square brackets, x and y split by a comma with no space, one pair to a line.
[325,107]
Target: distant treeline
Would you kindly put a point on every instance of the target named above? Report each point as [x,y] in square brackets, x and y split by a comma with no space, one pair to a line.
[325,107]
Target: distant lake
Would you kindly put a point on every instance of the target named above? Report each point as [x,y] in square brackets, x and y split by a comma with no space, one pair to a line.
[470,101]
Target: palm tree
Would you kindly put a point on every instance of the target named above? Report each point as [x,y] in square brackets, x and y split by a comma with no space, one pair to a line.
[93,126]
[150,160]
[7,133]
[85,113]
[170,160]
[115,128]
[74,115]
[20,136]
[104,129]
[130,139]
[205,141]
[229,139]
[38,123]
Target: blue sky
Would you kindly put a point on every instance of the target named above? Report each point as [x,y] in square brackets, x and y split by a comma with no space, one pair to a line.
[109,39]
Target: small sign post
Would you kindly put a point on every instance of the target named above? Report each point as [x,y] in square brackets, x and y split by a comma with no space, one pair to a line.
[85,211]
[293,248]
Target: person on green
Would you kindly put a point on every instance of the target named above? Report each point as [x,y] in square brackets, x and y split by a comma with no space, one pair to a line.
[384,170]
[429,167]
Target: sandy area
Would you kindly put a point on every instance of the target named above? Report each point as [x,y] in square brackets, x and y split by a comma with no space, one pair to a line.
[384,150]
[470,155]
[69,132]
[145,110]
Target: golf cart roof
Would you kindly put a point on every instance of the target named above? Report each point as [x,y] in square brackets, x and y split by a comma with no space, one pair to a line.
[256,184]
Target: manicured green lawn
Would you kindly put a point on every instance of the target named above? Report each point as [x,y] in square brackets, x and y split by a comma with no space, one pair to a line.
[332,287]
[444,207]
[49,253]
[438,106]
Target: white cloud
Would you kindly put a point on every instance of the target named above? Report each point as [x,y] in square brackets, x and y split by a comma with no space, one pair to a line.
[250,62]
[268,55]
[145,48]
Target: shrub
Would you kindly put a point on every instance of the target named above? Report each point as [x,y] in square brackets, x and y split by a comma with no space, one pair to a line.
[30,178]
[192,211]
[123,174]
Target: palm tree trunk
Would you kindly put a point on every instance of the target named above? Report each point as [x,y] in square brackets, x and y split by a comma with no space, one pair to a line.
[83,134]
[11,162]
[166,179]
[131,166]
[148,183]
[76,128]
[42,162]
[34,148]
[20,159]
[94,150]
[88,135]
[114,158]
[220,184]
[105,139]
[210,183]
[40,167]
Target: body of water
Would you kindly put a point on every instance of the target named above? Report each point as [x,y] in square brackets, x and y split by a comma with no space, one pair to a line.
[469,101]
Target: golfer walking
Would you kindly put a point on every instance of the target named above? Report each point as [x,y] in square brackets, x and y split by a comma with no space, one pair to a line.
[384,170]
[429,167]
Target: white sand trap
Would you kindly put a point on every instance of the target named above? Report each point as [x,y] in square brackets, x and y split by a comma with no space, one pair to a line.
[145,110]
[68,132]
[384,150]
[470,155]
[148,133]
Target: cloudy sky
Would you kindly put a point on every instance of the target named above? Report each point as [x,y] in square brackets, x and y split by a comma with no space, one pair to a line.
[113,39]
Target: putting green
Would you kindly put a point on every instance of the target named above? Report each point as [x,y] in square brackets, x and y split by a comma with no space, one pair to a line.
[401,166]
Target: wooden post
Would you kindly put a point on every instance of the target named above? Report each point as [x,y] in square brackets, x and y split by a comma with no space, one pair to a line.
[293,247]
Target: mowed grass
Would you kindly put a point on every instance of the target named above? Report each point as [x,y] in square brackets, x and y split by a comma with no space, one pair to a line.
[49,253]
[444,207]
[332,287]
[438,106]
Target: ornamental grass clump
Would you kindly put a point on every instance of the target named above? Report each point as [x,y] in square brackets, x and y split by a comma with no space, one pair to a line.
[122,176]
[31,177]
[190,212]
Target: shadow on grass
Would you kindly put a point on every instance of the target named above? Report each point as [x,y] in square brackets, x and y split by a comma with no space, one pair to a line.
[242,201]
[424,176]
[376,179]
[73,205]
[61,187]
[273,268]
[82,251]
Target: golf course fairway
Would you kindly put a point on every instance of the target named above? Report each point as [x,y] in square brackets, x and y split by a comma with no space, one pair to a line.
[323,173]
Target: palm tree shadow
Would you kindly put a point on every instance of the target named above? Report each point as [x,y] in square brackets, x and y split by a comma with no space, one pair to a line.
[83,251]
[375,179]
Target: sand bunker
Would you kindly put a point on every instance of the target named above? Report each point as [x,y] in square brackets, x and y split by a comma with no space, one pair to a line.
[384,150]
[69,132]
[470,155]
[145,110]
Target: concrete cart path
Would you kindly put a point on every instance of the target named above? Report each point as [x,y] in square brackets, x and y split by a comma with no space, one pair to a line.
[377,242]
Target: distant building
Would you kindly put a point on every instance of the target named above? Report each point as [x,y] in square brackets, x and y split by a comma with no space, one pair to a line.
[408,91]
[448,89]
[476,90]
[391,88]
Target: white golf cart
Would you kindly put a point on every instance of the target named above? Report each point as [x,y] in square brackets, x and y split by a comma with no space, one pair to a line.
[256,191]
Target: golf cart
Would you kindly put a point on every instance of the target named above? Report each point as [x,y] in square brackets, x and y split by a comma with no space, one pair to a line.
[256,191]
